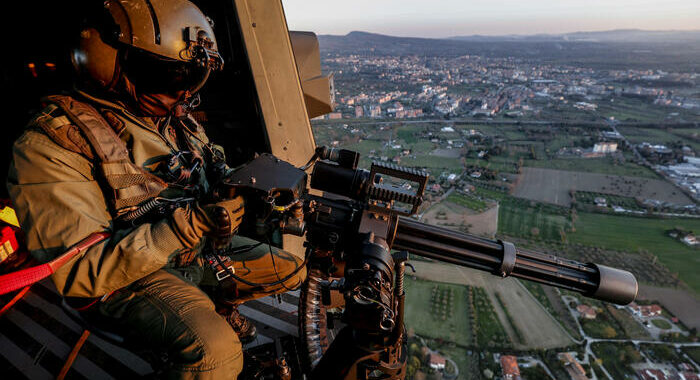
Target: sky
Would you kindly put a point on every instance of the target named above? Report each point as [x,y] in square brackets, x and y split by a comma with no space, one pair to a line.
[445,18]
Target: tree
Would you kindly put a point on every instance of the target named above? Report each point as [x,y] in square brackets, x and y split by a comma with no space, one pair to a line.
[609,332]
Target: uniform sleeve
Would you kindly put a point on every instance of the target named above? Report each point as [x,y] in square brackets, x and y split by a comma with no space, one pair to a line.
[59,203]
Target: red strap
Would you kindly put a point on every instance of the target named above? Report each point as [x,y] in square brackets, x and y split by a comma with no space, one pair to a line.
[25,277]
[14,300]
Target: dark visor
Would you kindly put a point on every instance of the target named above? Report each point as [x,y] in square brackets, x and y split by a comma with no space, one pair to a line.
[157,75]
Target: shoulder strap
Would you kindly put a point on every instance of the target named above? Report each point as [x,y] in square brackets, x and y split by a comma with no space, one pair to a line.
[60,129]
[129,184]
[104,141]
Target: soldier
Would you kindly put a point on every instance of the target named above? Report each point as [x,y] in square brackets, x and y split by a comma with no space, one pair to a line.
[122,154]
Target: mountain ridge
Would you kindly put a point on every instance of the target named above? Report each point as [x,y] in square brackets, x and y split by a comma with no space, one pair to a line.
[602,50]
[613,35]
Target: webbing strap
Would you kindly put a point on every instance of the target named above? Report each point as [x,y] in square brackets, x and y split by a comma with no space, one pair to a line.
[104,141]
[129,184]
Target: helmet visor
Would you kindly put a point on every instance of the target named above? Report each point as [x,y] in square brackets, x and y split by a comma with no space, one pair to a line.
[157,75]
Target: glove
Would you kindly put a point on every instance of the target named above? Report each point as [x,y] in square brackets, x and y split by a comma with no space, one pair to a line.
[219,221]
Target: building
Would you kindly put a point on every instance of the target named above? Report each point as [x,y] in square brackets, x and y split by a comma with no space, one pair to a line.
[651,374]
[612,135]
[359,111]
[509,366]
[690,239]
[586,311]
[688,375]
[585,106]
[573,367]
[436,361]
[605,147]
[375,111]
[335,115]
[646,310]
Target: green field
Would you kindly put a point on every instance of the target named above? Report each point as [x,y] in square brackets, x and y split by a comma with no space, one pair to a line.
[660,136]
[565,318]
[518,218]
[604,165]
[467,201]
[489,331]
[661,323]
[632,234]
[427,321]
[501,164]
[588,198]
[635,109]
[433,162]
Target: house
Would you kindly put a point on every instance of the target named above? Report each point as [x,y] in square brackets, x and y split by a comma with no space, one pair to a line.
[436,361]
[651,374]
[687,375]
[573,367]
[600,202]
[509,366]
[605,147]
[645,310]
[690,239]
[436,188]
[586,311]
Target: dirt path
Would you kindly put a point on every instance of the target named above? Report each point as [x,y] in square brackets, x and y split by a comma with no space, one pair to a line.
[537,327]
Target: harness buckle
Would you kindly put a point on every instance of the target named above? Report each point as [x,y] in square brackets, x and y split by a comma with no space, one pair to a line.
[222,274]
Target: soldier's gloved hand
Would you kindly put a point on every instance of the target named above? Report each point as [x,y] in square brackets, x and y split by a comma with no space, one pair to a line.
[218,220]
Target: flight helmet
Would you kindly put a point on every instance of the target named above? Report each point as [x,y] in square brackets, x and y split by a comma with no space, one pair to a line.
[160,46]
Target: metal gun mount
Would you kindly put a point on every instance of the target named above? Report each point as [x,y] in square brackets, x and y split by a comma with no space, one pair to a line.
[350,233]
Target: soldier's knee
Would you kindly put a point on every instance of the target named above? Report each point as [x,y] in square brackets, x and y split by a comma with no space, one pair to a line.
[215,351]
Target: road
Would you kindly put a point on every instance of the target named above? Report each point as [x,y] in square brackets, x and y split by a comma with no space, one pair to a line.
[588,340]
[495,122]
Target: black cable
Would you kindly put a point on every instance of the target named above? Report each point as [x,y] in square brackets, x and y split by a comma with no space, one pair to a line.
[274,267]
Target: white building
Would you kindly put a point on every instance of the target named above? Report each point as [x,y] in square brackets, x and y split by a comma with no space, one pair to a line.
[605,147]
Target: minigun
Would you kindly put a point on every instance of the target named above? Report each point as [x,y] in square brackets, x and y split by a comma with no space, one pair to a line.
[359,228]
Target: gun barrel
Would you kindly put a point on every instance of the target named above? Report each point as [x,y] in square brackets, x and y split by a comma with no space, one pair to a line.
[504,259]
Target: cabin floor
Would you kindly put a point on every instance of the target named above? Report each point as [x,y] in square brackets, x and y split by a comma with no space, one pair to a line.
[36,337]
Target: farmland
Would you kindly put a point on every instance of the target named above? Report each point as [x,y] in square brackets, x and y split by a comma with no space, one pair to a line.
[603,165]
[425,318]
[553,186]
[538,328]
[633,234]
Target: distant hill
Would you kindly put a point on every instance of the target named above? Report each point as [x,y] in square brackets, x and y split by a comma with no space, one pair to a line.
[672,51]
[619,35]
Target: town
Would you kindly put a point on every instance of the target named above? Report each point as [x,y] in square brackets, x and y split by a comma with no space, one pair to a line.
[596,164]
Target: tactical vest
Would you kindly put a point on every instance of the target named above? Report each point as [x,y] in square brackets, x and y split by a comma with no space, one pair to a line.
[80,128]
